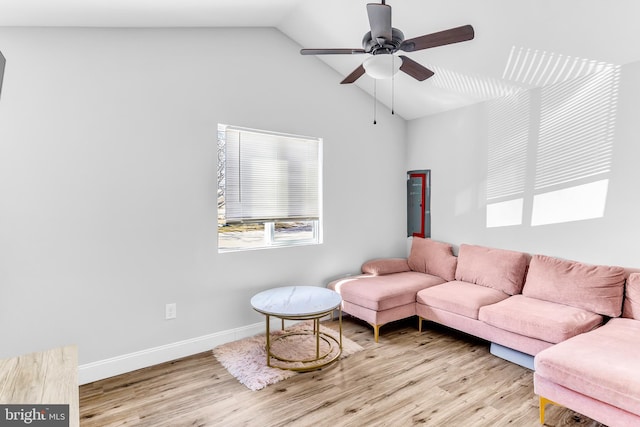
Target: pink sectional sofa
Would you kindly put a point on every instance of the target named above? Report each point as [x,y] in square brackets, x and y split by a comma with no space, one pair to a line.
[540,306]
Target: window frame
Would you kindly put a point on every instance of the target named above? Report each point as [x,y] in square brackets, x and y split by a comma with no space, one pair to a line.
[269,227]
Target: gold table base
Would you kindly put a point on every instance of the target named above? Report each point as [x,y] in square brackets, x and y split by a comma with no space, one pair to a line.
[321,359]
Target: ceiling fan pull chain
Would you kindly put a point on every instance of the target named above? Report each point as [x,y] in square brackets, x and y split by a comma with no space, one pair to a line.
[375,101]
[393,58]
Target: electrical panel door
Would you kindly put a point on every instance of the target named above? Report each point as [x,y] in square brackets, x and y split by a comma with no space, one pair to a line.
[418,203]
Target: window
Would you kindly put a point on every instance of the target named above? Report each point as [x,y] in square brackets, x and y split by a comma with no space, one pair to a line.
[269,189]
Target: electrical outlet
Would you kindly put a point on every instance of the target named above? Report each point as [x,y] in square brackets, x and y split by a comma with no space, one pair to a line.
[170,311]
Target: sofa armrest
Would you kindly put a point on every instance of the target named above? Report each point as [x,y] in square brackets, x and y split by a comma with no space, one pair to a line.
[381,266]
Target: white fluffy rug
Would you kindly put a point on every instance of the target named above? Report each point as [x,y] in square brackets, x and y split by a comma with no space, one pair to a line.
[246,359]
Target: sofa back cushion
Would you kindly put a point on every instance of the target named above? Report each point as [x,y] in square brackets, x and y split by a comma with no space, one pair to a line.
[431,257]
[382,266]
[499,269]
[631,308]
[596,288]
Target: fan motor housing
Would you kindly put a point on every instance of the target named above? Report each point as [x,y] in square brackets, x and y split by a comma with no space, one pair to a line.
[377,46]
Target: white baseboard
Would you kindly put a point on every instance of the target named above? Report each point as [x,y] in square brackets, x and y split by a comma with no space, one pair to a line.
[106,368]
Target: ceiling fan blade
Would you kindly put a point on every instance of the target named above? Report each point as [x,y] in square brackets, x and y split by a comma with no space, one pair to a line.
[355,74]
[414,69]
[339,51]
[453,35]
[380,21]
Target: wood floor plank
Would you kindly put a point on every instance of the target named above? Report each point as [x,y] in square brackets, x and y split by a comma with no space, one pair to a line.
[435,378]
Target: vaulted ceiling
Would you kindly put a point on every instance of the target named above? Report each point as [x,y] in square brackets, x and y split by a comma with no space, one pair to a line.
[517,45]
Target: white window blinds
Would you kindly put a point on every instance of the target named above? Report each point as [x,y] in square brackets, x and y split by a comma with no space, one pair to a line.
[271,176]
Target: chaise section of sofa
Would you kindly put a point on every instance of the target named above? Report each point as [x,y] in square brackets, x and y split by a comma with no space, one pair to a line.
[597,373]
[386,291]
[483,276]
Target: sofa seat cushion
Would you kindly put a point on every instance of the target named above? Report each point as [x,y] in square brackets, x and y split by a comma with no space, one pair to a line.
[458,297]
[384,292]
[602,364]
[597,288]
[543,320]
[499,269]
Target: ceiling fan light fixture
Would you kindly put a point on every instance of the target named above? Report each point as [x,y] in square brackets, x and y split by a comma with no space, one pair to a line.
[382,66]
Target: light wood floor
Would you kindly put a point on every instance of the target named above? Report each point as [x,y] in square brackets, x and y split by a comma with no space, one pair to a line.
[435,378]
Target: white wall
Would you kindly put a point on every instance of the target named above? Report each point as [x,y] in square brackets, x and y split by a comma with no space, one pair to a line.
[455,145]
[108,182]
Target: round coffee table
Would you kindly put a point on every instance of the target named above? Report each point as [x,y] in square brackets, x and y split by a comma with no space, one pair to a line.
[301,303]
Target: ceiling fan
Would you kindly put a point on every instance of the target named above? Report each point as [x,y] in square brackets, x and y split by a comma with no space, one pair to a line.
[383,41]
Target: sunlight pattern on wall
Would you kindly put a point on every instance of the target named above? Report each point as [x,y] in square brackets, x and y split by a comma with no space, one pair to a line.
[576,128]
[540,68]
[575,148]
[550,152]
[507,159]
[472,85]
[578,202]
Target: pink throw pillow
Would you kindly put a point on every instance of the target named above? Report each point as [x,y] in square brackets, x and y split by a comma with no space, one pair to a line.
[381,266]
[596,288]
[431,257]
[632,297]
[498,269]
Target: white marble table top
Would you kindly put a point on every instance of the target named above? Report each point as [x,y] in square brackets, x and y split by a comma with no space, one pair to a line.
[296,301]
